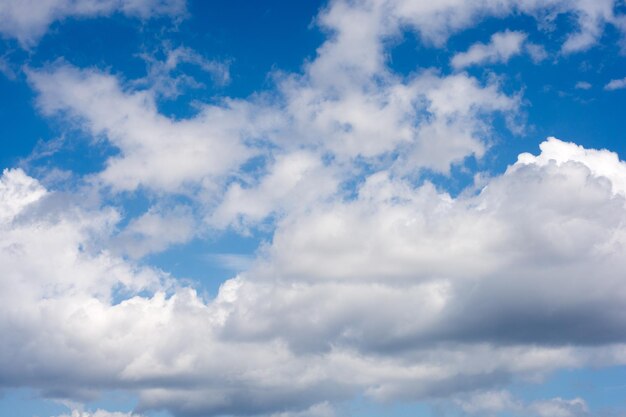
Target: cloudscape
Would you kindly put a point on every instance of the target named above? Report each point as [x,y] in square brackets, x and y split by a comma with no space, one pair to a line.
[333,208]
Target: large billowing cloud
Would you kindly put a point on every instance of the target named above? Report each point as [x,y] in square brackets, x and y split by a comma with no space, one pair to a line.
[371,285]
[399,293]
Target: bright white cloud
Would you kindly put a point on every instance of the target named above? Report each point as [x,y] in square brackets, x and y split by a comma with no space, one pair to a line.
[156,152]
[294,182]
[501,47]
[395,291]
[538,249]
[28,20]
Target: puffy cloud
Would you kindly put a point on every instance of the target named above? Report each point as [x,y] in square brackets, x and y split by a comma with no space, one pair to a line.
[307,144]
[17,190]
[28,20]
[295,181]
[583,85]
[155,151]
[501,47]
[395,291]
[518,248]
[401,292]
[617,84]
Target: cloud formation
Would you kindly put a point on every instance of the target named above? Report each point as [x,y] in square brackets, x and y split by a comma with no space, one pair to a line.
[526,269]
[501,47]
[617,84]
[28,20]
[374,282]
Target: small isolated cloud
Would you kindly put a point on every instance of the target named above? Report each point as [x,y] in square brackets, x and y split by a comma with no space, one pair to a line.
[616,84]
[583,85]
[502,46]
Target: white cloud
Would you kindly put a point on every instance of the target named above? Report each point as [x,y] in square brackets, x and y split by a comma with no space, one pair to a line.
[583,85]
[28,20]
[155,231]
[616,84]
[558,407]
[592,16]
[99,413]
[396,292]
[491,403]
[537,52]
[501,47]
[436,21]
[423,119]
[17,191]
[165,79]
[295,181]
[469,293]
[156,152]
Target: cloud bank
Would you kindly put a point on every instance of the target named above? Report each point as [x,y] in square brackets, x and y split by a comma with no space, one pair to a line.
[374,282]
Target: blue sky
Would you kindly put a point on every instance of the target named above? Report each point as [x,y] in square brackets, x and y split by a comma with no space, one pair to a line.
[312,209]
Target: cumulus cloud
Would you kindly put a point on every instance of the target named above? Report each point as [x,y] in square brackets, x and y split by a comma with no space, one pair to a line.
[347,104]
[501,47]
[470,292]
[617,84]
[28,20]
[583,85]
[295,181]
[156,152]
[423,118]
[388,290]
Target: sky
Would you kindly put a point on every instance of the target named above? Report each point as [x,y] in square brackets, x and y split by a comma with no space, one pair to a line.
[342,208]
